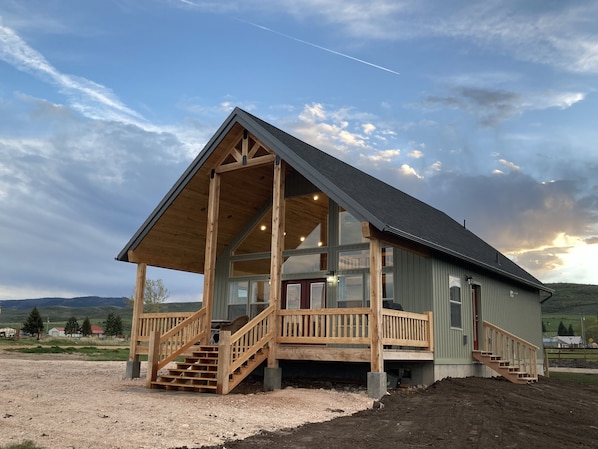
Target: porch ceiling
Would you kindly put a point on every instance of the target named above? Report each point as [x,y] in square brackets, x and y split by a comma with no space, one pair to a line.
[177,239]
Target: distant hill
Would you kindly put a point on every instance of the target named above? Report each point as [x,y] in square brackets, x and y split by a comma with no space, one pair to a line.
[572,299]
[79,302]
[57,311]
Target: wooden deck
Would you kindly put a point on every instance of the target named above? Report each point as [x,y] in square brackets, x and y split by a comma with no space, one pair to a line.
[339,335]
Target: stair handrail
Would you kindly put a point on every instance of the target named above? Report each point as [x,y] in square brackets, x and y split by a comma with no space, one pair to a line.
[522,354]
[238,348]
[164,348]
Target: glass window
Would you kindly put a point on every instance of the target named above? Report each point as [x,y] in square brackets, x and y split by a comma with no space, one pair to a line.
[349,228]
[306,221]
[388,289]
[259,238]
[237,299]
[293,295]
[260,297]
[455,301]
[317,297]
[308,263]
[353,260]
[350,291]
[250,267]
[387,259]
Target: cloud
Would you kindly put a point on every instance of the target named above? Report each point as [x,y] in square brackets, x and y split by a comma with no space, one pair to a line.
[72,194]
[559,35]
[494,106]
[521,217]
[406,170]
[87,97]
[510,165]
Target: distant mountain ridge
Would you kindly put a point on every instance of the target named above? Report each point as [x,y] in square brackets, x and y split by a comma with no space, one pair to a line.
[567,298]
[77,302]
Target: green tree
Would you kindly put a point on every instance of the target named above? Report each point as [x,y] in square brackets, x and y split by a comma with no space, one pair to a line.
[72,326]
[562,330]
[570,331]
[34,324]
[113,325]
[86,327]
[154,295]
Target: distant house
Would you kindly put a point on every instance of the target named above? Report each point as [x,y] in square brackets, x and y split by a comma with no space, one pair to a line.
[97,331]
[7,332]
[318,255]
[562,342]
[56,332]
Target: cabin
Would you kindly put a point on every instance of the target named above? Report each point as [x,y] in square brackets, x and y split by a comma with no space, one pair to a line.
[308,260]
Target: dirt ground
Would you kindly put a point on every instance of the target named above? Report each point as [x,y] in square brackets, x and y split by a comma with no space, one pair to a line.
[67,403]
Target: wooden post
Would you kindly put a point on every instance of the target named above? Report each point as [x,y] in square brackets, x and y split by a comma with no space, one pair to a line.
[137,310]
[210,253]
[377,356]
[223,362]
[430,331]
[153,356]
[277,247]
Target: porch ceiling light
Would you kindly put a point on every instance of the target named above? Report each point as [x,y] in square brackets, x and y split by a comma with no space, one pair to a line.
[331,277]
[263,227]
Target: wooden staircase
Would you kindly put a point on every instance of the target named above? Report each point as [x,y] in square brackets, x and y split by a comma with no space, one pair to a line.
[510,356]
[198,372]
[504,367]
[208,368]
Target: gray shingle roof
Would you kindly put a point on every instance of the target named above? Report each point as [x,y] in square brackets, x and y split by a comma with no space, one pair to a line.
[391,210]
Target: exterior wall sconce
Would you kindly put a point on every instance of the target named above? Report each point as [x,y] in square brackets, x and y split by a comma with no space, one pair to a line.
[331,278]
[512,293]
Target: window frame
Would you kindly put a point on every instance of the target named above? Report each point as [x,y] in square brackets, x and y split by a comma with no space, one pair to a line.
[455,302]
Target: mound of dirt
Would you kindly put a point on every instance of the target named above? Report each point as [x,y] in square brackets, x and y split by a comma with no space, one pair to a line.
[456,413]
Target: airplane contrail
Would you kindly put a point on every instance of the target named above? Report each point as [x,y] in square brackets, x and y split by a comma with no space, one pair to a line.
[320,47]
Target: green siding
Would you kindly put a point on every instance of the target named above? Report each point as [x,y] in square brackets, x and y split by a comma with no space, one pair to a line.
[413,286]
[518,314]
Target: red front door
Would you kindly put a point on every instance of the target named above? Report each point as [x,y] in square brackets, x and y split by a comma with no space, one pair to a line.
[304,294]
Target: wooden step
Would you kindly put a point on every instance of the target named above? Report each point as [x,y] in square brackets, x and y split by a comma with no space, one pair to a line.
[184,387]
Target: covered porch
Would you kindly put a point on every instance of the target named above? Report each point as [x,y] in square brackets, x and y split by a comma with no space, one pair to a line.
[337,335]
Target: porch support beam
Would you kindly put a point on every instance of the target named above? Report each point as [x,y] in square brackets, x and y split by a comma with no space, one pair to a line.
[376,378]
[133,364]
[377,359]
[210,254]
[277,246]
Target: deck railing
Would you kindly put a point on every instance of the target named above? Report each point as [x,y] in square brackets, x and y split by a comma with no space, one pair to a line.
[236,349]
[401,328]
[520,353]
[163,348]
[321,326]
[161,322]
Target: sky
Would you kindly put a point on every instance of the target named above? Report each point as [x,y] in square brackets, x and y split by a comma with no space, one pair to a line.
[485,110]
